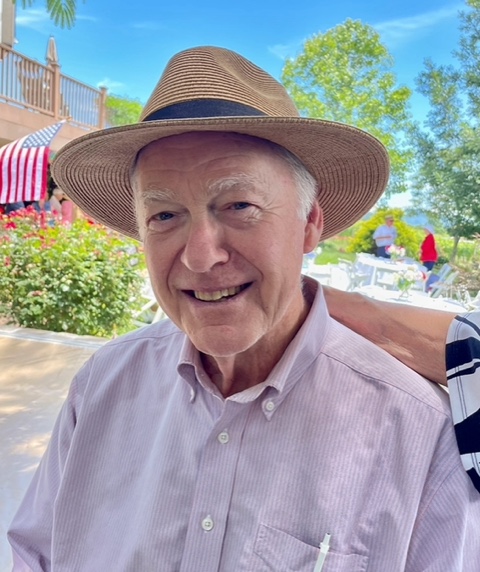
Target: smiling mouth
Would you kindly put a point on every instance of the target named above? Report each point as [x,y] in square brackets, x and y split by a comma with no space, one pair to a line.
[218,295]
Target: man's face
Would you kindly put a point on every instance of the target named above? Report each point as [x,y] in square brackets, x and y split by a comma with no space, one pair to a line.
[223,240]
[389,221]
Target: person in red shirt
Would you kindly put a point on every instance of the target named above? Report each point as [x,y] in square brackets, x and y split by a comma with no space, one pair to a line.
[428,250]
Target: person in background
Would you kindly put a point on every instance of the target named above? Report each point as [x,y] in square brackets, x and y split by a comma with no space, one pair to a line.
[12,207]
[68,211]
[385,236]
[55,205]
[250,431]
[428,249]
[61,205]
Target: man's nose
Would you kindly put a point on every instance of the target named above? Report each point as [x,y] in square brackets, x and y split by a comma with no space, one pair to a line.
[205,246]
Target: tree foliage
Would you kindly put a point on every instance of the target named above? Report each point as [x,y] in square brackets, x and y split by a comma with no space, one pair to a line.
[346,75]
[447,145]
[122,110]
[62,12]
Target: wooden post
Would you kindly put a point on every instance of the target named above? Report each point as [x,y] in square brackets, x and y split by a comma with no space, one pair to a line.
[102,110]
[7,22]
[56,95]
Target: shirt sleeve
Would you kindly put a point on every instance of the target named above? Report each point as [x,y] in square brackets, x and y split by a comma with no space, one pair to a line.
[30,534]
[445,535]
[463,375]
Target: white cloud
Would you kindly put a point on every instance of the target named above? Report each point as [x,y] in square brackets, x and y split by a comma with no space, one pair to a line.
[284,51]
[393,32]
[402,29]
[112,85]
[86,18]
[40,20]
[149,26]
[32,18]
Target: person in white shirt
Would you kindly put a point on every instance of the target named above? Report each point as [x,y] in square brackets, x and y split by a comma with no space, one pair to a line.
[385,236]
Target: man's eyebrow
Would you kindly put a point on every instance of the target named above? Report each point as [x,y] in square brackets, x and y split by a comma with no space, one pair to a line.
[152,195]
[243,181]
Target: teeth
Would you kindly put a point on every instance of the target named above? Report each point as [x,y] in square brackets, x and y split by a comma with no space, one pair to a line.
[217,295]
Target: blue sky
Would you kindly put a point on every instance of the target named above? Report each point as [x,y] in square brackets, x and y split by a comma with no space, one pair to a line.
[126,48]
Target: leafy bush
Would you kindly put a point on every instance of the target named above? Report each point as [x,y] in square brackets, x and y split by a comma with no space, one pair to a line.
[333,250]
[466,250]
[408,237]
[82,279]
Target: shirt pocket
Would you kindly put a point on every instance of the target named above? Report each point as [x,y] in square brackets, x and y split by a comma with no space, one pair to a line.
[277,551]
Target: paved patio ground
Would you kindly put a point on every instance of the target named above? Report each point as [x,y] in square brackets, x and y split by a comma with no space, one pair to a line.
[36,368]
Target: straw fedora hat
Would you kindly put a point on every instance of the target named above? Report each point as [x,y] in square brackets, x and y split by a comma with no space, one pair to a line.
[214,89]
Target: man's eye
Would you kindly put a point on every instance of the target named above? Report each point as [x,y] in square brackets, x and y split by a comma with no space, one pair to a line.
[240,206]
[163,216]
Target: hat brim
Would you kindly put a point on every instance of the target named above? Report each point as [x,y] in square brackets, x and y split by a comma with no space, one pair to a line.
[351,166]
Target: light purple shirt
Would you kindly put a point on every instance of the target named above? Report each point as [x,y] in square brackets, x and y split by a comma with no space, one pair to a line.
[151,469]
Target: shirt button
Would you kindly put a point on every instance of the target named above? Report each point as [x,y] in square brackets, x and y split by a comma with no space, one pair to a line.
[207,523]
[269,406]
[223,437]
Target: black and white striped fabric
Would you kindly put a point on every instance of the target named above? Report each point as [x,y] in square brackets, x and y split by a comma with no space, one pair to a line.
[463,374]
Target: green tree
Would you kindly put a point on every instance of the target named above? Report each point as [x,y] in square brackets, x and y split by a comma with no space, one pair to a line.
[447,176]
[62,12]
[122,110]
[346,74]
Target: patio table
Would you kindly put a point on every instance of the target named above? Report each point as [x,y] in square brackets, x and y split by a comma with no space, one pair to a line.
[414,298]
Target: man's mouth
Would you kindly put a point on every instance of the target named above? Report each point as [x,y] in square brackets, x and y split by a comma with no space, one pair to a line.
[218,295]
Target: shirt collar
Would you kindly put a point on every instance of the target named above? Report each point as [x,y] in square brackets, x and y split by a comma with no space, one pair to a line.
[299,355]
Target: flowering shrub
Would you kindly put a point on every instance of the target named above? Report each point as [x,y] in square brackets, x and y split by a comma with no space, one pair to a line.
[82,279]
[405,279]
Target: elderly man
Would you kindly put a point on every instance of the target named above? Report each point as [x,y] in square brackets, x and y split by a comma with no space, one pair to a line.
[385,236]
[250,431]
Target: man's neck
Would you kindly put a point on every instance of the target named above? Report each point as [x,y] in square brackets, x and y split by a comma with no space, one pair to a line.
[233,374]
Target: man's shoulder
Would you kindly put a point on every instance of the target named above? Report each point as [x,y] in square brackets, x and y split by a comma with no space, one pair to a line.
[155,339]
[146,354]
[380,368]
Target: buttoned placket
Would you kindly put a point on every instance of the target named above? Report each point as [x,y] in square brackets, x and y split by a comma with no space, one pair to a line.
[214,489]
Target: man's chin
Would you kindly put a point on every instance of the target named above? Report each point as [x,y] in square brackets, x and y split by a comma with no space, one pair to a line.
[222,341]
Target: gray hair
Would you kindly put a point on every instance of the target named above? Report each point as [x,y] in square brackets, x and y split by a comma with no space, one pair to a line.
[305,183]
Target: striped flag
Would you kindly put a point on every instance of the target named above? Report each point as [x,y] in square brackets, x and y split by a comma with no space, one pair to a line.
[24,166]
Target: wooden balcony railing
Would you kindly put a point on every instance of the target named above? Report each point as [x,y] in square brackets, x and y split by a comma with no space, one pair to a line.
[42,88]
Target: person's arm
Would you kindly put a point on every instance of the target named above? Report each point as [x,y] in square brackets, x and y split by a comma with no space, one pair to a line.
[415,336]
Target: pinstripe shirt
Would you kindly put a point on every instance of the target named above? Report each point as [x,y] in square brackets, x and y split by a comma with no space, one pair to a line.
[150,469]
[463,360]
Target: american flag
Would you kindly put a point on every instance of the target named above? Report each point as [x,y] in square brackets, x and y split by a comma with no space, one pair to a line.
[24,166]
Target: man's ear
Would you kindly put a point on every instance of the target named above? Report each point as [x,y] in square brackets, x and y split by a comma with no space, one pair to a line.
[313,228]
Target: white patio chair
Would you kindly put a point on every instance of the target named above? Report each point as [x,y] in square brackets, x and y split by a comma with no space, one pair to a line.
[321,272]
[341,277]
[151,311]
[361,271]
[443,286]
